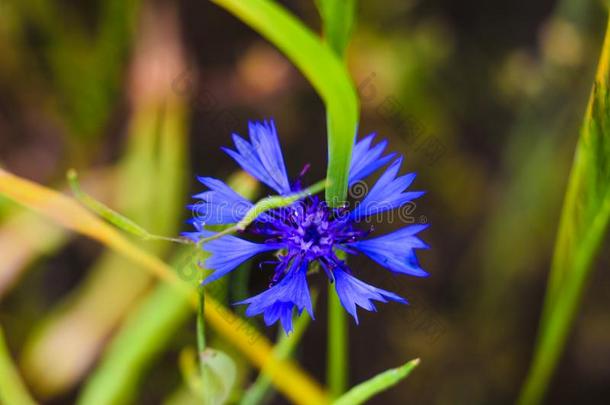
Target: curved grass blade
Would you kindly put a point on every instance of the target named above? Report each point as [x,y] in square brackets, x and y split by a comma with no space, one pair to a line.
[323,69]
[381,382]
[286,376]
[338,21]
[584,222]
[337,361]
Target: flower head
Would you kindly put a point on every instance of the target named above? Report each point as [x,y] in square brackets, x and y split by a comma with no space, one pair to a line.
[308,231]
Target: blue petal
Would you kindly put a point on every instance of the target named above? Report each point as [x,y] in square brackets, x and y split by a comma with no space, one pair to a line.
[279,301]
[387,194]
[365,160]
[219,205]
[262,156]
[228,252]
[396,250]
[353,292]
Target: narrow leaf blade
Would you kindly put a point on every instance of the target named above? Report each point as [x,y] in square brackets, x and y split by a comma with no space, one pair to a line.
[584,222]
[338,21]
[323,69]
[381,382]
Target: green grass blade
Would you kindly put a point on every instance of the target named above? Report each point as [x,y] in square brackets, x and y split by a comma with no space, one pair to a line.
[337,356]
[284,349]
[12,389]
[338,21]
[381,382]
[584,222]
[322,68]
[118,220]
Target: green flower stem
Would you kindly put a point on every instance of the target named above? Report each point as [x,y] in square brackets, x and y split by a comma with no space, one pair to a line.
[201,331]
[12,388]
[110,215]
[338,345]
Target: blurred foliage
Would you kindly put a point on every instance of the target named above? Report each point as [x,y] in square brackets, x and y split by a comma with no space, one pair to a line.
[484,99]
[12,388]
[81,61]
[583,225]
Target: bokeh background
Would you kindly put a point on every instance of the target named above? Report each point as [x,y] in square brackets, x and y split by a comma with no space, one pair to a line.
[484,99]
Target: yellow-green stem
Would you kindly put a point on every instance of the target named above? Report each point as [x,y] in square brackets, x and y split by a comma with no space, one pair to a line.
[338,345]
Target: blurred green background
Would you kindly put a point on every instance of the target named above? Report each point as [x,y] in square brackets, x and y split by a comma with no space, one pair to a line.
[484,99]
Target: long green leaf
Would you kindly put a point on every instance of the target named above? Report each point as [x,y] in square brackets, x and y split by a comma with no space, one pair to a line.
[381,382]
[337,356]
[338,21]
[584,222]
[322,68]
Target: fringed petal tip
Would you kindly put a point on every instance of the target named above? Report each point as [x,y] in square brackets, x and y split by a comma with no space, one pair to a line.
[388,193]
[366,159]
[396,250]
[262,156]
[354,293]
[279,302]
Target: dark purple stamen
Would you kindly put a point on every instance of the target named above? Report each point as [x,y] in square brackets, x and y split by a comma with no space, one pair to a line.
[310,230]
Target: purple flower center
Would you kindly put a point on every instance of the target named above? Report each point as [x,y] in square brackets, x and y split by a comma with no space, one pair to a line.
[309,230]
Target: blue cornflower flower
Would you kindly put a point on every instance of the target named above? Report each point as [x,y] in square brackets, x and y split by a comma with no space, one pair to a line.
[307,231]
